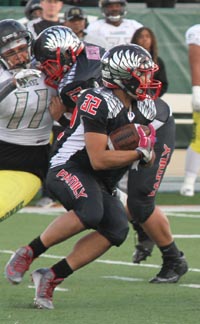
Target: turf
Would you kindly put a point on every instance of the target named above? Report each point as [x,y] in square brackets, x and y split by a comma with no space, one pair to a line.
[174,198]
[111,289]
[162,198]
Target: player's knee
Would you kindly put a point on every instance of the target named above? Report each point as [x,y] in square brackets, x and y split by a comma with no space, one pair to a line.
[141,213]
[120,238]
[117,238]
[92,218]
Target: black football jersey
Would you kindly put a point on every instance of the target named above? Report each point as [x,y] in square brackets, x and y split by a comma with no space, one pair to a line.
[98,110]
[84,74]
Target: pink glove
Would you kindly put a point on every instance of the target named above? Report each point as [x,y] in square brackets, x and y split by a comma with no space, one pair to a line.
[146,143]
[144,139]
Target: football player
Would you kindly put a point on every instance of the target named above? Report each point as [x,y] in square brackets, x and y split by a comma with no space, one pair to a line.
[25,120]
[113,29]
[84,173]
[70,65]
[33,9]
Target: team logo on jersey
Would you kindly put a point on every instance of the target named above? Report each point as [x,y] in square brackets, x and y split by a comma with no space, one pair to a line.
[131,116]
[162,166]
[73,182]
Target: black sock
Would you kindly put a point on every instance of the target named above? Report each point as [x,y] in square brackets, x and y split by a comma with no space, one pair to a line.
[62,269]
[37,246]
[170,250]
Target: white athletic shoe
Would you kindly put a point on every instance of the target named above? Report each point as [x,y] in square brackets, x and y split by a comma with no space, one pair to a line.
[187,190]
[45,283]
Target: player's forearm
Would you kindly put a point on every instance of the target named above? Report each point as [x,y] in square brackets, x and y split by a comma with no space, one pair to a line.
[7,87]
[114,159]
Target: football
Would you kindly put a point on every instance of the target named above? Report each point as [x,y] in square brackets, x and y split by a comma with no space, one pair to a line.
[126,137]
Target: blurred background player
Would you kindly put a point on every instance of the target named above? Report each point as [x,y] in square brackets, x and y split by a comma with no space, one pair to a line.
[25,120]
[50,16]
[114,28]
[33,9]
[76,19]
[192,160]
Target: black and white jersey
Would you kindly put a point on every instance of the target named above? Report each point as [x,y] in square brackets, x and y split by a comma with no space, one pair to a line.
[84,74]
[163,112]
[100,111]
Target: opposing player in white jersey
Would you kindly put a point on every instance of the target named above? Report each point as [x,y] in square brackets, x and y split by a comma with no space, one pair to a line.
[192,162]
[25,120]
[114,28]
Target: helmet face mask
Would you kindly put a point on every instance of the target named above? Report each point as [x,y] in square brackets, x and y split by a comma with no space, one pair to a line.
[54,69]
[148,86]
[56,49]
[113,13]
[14,35]
[130,67]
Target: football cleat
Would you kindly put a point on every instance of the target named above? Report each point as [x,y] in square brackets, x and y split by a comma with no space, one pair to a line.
[187,190]
[45,283]
[143,250]
[171,271]
[18,264]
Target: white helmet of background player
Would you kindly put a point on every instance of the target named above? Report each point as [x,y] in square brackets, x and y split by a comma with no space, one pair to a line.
[14,35]
[33,9]
[112,14]
[56,48]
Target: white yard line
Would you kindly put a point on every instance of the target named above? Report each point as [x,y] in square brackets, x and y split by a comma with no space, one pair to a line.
[167,209]
[112,262]
[175,211]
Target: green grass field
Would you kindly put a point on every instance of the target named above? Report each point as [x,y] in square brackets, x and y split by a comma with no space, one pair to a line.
[111,289]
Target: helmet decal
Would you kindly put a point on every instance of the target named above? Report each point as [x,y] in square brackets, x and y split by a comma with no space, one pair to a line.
[131,68]
[56,38]
[56,48]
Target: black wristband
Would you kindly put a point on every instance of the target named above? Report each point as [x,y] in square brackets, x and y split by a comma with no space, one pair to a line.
[63,121]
